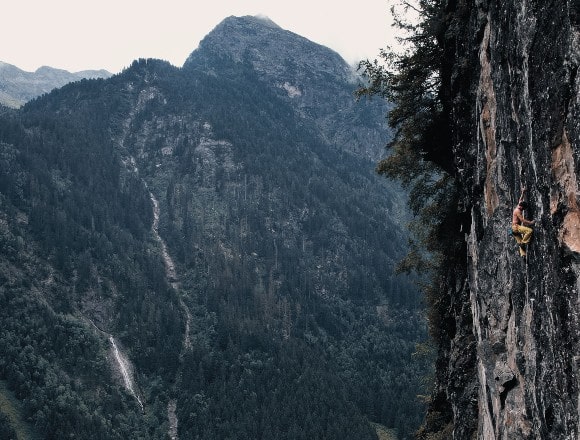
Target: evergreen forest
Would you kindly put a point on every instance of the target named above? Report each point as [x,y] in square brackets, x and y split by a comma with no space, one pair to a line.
[226,238]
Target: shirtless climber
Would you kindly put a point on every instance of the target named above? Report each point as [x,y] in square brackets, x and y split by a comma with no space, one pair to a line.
[520,229]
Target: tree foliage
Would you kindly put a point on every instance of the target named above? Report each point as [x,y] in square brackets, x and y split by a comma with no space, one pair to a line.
[412,79]
[416,81]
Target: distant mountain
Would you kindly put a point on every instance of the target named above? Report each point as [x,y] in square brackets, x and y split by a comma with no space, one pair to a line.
[18,87]
[313,79]
[206,252]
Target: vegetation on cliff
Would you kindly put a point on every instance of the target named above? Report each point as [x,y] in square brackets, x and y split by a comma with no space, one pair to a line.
[494,87]
[415,81]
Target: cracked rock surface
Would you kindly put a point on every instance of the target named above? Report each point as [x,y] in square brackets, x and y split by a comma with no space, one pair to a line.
[510,370]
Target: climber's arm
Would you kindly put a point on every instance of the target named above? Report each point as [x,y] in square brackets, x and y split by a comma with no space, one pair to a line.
[522,195]
[527,222]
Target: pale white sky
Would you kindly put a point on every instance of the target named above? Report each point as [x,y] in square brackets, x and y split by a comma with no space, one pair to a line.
[109,34]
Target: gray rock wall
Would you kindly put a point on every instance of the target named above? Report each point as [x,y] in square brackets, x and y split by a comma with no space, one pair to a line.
[516,99]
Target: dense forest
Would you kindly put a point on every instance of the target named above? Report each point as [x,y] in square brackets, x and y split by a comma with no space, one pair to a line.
[285,318]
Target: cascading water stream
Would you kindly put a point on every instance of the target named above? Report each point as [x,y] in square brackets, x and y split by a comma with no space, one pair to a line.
[122,362]
[172,277]
[130,164]
[124,367]
[170,268]
[172,416]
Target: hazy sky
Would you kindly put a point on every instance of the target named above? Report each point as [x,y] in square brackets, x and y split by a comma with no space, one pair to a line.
[88,34]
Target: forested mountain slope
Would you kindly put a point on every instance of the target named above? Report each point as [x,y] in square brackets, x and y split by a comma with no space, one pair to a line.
[205,252]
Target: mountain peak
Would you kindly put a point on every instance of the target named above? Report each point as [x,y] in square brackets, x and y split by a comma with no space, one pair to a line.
[267,46]
[249,20]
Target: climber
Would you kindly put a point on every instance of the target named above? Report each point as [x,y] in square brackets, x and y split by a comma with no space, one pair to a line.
[520,224]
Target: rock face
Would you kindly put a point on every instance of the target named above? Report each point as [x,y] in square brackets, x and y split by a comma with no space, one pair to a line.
[17,86]
[511,368]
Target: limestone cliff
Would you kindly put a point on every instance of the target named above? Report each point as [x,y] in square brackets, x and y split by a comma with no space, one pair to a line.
[509,368]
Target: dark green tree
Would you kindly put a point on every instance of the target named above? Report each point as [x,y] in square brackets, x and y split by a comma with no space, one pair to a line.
[416,81]
[6,430]
[420,152]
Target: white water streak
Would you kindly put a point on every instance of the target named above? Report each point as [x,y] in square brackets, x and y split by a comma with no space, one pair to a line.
[131,165]
[171,412]
[125,371]
[124,365]
[170,268]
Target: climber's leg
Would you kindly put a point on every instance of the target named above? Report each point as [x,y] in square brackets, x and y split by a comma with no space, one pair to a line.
[526,233]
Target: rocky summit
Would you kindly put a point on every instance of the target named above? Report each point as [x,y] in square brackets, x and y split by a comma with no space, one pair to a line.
[302,73]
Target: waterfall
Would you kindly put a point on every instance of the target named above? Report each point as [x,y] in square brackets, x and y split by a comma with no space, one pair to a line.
[170,273]
[172,277]
[172,416]
[124,367]
[170,268]
[122,362]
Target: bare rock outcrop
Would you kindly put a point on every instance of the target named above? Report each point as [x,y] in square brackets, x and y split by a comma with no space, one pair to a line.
[514,374]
